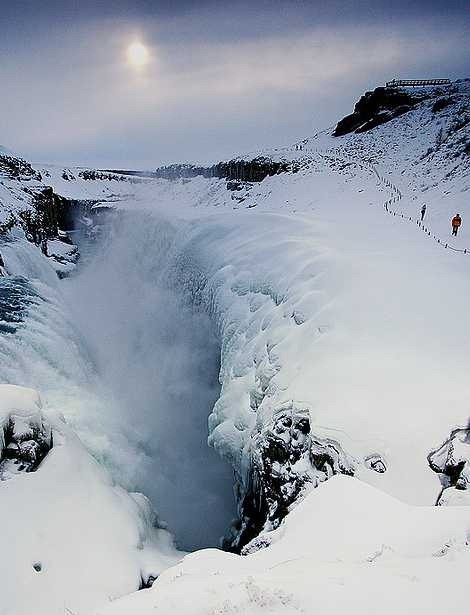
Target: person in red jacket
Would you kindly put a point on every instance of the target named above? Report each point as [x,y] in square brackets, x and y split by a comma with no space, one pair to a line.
[456,222]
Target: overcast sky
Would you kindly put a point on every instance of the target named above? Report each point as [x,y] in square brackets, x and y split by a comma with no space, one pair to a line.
[222,77]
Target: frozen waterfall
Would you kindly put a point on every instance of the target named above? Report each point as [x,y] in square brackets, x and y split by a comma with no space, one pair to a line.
[131,363]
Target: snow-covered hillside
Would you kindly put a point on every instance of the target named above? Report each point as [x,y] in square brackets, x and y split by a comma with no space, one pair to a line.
[342,330]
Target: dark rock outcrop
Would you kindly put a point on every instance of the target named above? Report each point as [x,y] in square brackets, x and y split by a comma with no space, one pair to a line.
[287,458]
[442,102]
[452,461]
[17,168]
[26,440]
[39,210]
[43,222]
[236,170]
[377,107]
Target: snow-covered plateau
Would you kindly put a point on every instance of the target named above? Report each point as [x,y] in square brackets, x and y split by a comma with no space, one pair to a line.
[314,320]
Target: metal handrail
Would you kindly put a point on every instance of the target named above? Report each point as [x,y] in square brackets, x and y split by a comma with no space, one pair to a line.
[395,83]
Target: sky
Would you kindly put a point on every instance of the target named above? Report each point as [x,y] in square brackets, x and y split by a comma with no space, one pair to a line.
[220,78]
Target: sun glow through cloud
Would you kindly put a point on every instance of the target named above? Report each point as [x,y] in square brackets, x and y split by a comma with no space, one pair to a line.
[138,55]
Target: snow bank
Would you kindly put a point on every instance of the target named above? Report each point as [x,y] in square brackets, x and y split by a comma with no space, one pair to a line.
[76,540]
[346,548]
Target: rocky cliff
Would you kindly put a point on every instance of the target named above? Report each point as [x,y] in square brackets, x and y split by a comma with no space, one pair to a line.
[254,170]
[26,201]
[377,107]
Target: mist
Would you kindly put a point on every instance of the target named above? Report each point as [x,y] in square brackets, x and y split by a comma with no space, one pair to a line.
[156,359]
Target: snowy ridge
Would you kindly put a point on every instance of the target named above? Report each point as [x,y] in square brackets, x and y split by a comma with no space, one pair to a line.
[90,184]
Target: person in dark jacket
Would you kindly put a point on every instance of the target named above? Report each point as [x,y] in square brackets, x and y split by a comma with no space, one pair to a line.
[423,211]
[456,223]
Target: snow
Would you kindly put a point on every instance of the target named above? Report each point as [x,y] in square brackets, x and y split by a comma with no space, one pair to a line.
[76,539]
[327,298]
[347,547]
[63,255]
[331,270]
[72,183]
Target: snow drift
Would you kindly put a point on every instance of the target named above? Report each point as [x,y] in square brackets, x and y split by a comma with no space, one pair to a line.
[346,547]
[75,538]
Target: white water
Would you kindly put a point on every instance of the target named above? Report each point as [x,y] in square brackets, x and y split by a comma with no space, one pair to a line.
[133,366]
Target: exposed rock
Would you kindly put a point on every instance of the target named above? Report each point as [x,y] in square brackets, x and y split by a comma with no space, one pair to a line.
[378,107]
[236,170]
[16,168]
[442,102]
[452,462]
[31,204]
[376,463]
[237,186]
[25,436]
[94,175]
[287,458]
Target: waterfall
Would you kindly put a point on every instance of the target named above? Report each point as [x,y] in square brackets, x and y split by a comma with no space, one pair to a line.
[131,364]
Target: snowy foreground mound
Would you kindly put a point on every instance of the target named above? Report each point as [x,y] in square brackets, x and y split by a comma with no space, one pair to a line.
[346,548]
[72,538]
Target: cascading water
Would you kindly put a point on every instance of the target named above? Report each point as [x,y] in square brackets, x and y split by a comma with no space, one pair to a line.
[131,364]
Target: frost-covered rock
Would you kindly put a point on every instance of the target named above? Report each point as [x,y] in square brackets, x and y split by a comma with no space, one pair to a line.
[452,462]
[63,255]
[25,435]
[27,202]
[287,459]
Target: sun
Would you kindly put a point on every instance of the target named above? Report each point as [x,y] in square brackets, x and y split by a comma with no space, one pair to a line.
[138,54]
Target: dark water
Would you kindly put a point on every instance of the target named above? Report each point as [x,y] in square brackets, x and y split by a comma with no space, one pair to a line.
[16,295]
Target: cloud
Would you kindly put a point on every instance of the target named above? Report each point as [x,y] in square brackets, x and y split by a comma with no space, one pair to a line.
[74,97]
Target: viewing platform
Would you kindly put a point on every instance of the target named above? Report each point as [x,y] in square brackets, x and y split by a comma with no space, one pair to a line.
[407,83]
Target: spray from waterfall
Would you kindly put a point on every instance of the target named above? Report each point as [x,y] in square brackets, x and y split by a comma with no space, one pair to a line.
[133,366]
